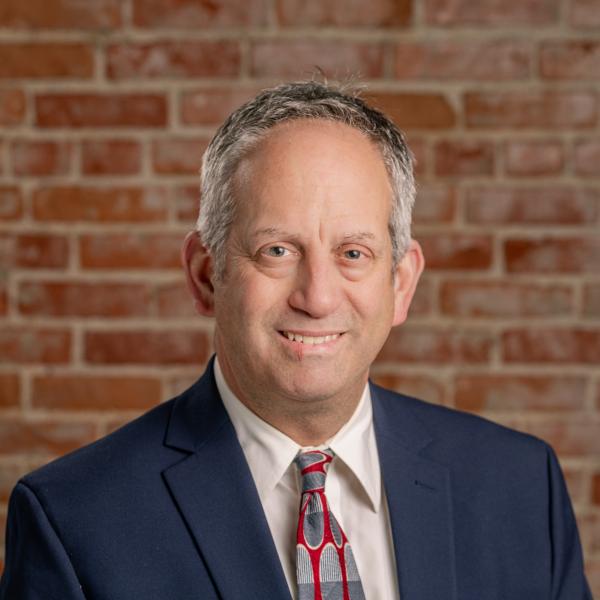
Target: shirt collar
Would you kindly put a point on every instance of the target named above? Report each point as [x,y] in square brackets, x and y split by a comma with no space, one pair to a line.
[269,452]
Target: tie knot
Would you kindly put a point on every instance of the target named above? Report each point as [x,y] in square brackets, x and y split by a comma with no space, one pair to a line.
[313,467]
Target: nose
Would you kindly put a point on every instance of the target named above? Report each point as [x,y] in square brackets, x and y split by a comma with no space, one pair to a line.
[317,290]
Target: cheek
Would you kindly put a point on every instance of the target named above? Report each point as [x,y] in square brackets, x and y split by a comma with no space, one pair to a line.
[376,310]
[256,299]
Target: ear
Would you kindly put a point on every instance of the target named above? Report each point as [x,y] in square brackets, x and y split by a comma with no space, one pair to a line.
[198,267]
[406,277]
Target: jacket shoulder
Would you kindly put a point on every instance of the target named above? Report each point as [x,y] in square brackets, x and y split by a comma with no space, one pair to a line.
[118,454]
[458,432]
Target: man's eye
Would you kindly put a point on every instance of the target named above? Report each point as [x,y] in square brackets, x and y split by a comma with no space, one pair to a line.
[277,251]
[353,254]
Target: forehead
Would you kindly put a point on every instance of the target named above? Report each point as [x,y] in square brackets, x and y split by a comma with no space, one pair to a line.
[314,156]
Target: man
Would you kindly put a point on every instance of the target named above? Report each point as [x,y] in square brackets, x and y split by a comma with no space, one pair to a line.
[282,472]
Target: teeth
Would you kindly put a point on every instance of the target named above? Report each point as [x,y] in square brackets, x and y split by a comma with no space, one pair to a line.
[308,339]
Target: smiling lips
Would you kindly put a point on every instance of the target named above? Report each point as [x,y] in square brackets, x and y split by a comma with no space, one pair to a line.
[310,339]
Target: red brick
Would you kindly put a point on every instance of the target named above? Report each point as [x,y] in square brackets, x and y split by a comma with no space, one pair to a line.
[421,304]
[513,392]
[9,390]
[414,111]
[11,203]
[101,110]
[175,300]
[495,60]
[3,299]
[436,203]
[21,436]
[570,59]
[418,386]
[575,436]
[131,251]
[535,109]
[464,158]
[111,157]
[491,12]
[33,250]
[21,344]
[553,255]
[146,347]
[343,13]
[84,299]
[438,346]
[173,60]
[586,157]
[178,156]
[187,203]
[556,346]
[33,60]
[211,106]
[103,393]
[36,157]
[596,489]
[534,157]
[121,204]
[591,300]
[299,58]
[456,251]
[500,299]
[12,107]
[199,14]
[60,14]
[558,205]
[585,13]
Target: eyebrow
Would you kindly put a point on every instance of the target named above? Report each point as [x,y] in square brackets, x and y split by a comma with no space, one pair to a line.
[271,231]
[359,235]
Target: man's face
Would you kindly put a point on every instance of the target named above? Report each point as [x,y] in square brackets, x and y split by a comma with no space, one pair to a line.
[308,296]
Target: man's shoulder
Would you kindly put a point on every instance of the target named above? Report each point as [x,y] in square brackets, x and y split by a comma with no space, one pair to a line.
[454,432]
[118,454]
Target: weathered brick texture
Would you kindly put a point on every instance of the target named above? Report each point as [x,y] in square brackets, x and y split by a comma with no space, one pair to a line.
[106,107]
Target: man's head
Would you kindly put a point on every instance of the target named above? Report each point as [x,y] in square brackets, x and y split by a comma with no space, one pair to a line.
[304,256]
[252,122]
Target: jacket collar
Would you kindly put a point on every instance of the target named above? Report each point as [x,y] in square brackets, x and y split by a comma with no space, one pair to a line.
[215,493]
[419,498]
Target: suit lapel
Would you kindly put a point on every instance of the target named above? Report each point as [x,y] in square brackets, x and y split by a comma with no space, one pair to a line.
[214,491]
[419,500]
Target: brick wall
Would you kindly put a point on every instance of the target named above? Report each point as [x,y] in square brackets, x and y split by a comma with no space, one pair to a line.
[106,107]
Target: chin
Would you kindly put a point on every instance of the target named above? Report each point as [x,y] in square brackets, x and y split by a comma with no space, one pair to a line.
[311,387]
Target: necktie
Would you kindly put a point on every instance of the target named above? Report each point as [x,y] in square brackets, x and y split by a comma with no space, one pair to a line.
[325,566]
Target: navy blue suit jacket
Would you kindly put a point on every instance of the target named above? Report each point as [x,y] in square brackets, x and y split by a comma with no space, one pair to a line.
[166,508]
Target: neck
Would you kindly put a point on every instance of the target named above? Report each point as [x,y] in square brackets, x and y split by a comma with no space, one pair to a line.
[313,428]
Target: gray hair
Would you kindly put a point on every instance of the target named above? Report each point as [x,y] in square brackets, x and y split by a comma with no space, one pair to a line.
[250,123]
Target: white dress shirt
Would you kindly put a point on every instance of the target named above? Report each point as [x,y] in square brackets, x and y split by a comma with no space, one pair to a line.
[353,487]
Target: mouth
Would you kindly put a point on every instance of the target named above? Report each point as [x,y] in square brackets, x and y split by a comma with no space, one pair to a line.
[311,339]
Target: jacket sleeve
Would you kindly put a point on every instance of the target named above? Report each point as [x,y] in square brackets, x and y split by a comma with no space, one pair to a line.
[37,565]
[568,578]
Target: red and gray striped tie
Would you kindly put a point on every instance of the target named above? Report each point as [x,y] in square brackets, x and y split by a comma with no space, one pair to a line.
[325,566]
